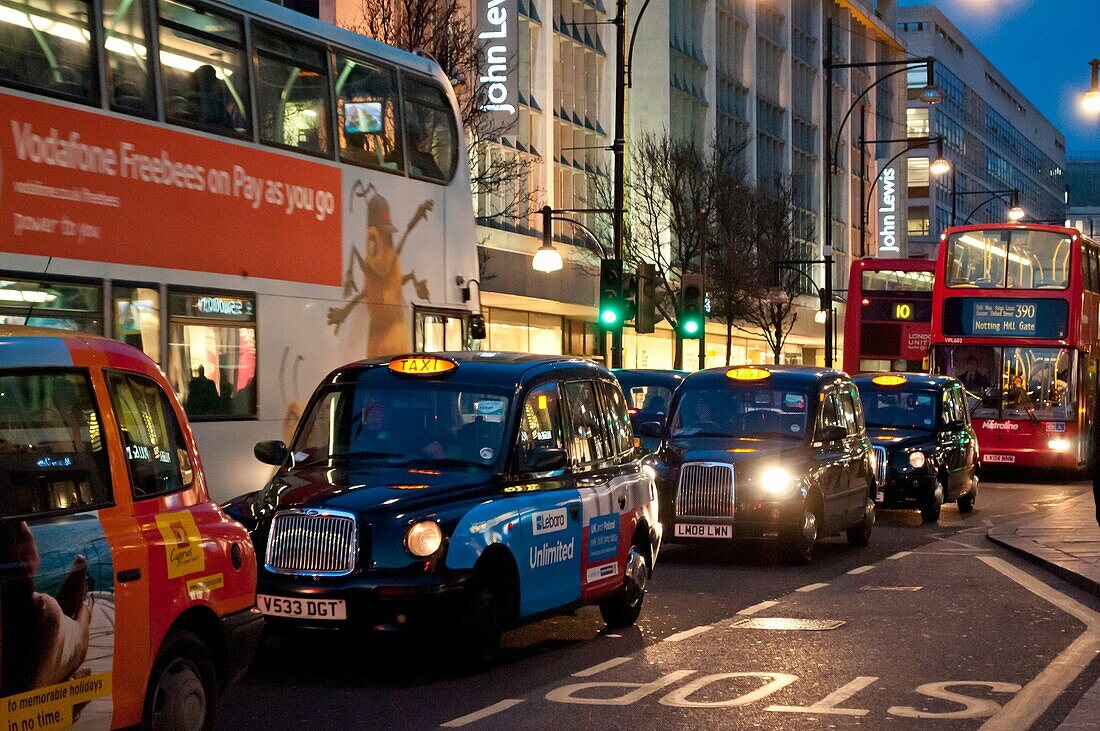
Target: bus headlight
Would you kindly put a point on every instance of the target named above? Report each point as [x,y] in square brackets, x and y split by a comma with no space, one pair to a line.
[916,460]
[777,481]
[1059,445]
[424,538]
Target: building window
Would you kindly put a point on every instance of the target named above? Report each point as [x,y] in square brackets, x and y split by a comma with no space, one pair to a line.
[368,115]
[918,172]
[439,331]
[128,76]
[205,68]
[46,45]
[292,93]
[919,225]
[61,305]
[135,317]
[916,122]
[524,332]
[212,353]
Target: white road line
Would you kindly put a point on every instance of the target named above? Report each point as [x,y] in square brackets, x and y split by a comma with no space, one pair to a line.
[469,718]
[748,611]
[967,546]
[988,522]
[1038,695]
[688,633]
[612,663]
[811,587]
[861,570]
[899,554]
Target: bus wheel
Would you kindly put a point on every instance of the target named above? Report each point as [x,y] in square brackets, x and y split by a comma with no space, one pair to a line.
[183,687]
[622,608]
[930,511]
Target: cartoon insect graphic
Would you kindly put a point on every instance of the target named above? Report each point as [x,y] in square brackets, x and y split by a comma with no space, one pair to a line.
[383,277]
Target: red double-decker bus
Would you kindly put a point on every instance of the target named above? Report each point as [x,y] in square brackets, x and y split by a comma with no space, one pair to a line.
[888,323]
[1015,310]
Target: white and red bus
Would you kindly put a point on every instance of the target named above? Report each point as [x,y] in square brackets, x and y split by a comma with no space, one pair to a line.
[251,196]
[888,323]
[1014,317]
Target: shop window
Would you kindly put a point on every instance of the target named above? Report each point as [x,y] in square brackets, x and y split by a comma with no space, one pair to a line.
[61,305]
[292,93]
[368,114]
[439,331]
[524,332]
[129,80]
[46,45]
[60,464]
[135,317]
[205,68]
[212,353]
[152,441]
[430,131]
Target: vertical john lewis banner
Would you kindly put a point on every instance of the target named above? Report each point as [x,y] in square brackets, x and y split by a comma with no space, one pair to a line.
[497,30]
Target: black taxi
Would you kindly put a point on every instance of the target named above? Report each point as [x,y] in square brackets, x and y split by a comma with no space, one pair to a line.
[926,449]
[648,395]
[766,452]
[462,492]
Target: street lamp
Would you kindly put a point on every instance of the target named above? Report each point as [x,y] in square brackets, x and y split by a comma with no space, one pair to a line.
[1016,213]
[1090,100]
[1015,210]
[939,165]
[547,259]
[930,94]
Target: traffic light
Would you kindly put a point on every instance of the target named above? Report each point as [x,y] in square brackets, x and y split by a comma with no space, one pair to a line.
[645,298]
[691,306]
[477,327]
[612,304]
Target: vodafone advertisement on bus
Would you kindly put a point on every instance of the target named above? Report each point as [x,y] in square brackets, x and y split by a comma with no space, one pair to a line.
[84,185]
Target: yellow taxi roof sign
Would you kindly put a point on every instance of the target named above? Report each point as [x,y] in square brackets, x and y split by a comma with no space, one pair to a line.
[421,365]
[746,373]
[888,380]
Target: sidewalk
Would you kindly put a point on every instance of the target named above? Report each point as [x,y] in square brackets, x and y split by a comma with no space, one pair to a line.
[1065,541]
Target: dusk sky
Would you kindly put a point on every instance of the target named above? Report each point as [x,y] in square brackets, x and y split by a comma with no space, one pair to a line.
[1043,47]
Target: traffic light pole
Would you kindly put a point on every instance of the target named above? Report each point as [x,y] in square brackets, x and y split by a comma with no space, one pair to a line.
[619,148]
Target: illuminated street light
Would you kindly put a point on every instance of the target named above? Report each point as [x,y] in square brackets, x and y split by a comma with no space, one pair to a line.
[547,259]
[940,165]
[1090,100]
[1016,213]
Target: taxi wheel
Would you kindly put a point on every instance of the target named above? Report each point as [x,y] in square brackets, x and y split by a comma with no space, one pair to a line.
[475,641]
[930,511]
[859,535]
[799,546]
[183,687]
[966,502]
[622,609]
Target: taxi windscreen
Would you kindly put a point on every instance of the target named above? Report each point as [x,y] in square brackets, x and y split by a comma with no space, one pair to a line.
[753,411]
[415,421]
[894,408]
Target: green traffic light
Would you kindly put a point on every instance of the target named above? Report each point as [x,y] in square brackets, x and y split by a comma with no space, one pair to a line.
[609,317]
[691,327]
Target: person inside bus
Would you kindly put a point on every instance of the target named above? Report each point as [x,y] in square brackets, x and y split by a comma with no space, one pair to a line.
[1018,397]
[212,100]
[202,395]
[974,380]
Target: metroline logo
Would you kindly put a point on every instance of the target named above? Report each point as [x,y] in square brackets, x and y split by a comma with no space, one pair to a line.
[1000,425]
[548,521]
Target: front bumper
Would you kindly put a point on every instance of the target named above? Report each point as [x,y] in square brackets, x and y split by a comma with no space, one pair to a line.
[750,520]
[373,602]
[242,632]
[907,488]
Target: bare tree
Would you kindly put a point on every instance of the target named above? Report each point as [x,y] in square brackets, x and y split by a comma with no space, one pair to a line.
[730,255]
[444,30]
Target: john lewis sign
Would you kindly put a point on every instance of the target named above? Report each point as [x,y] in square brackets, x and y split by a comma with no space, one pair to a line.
[496,22]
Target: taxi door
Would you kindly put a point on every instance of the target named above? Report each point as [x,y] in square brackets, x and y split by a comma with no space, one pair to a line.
[955,441]
[856,479]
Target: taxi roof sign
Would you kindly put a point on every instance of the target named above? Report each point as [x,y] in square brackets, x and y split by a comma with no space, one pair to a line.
[746,373]
[888,380]
[421,365]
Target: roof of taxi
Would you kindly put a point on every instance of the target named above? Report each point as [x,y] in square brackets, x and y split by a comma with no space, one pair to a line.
[784,376]
[926,381]
[513,366]
[22,346]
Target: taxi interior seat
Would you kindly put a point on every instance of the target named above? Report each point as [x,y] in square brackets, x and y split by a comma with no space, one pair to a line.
[762,421]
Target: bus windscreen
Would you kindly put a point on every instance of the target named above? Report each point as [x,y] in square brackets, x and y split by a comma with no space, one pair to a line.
[1008,259]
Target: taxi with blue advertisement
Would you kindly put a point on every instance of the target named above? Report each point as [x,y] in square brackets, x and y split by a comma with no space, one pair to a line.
[926,449]
[776,452]
[462,492]
[127,596]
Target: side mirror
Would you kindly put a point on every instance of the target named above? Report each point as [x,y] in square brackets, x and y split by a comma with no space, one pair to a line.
[651,430]
[271,452]
[832,434]
[543,459]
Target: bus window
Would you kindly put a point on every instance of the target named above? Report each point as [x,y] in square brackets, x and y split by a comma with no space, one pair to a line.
[205,73]
[292,93]
[135,313]
[1092,254]
[128,77]
[1013,383]
[430,131]
[45,44]
[368,115]
[1008,259]
[63,305]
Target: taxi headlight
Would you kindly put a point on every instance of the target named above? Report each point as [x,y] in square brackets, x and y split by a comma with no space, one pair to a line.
[424,538]
[916,460]
[777,480]
[1058,444]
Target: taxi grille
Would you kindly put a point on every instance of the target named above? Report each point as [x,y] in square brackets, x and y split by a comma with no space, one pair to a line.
[312,542]
[880,466]
[706,490]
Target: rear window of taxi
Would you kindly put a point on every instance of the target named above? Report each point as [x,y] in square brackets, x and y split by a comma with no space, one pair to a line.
[53,459]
